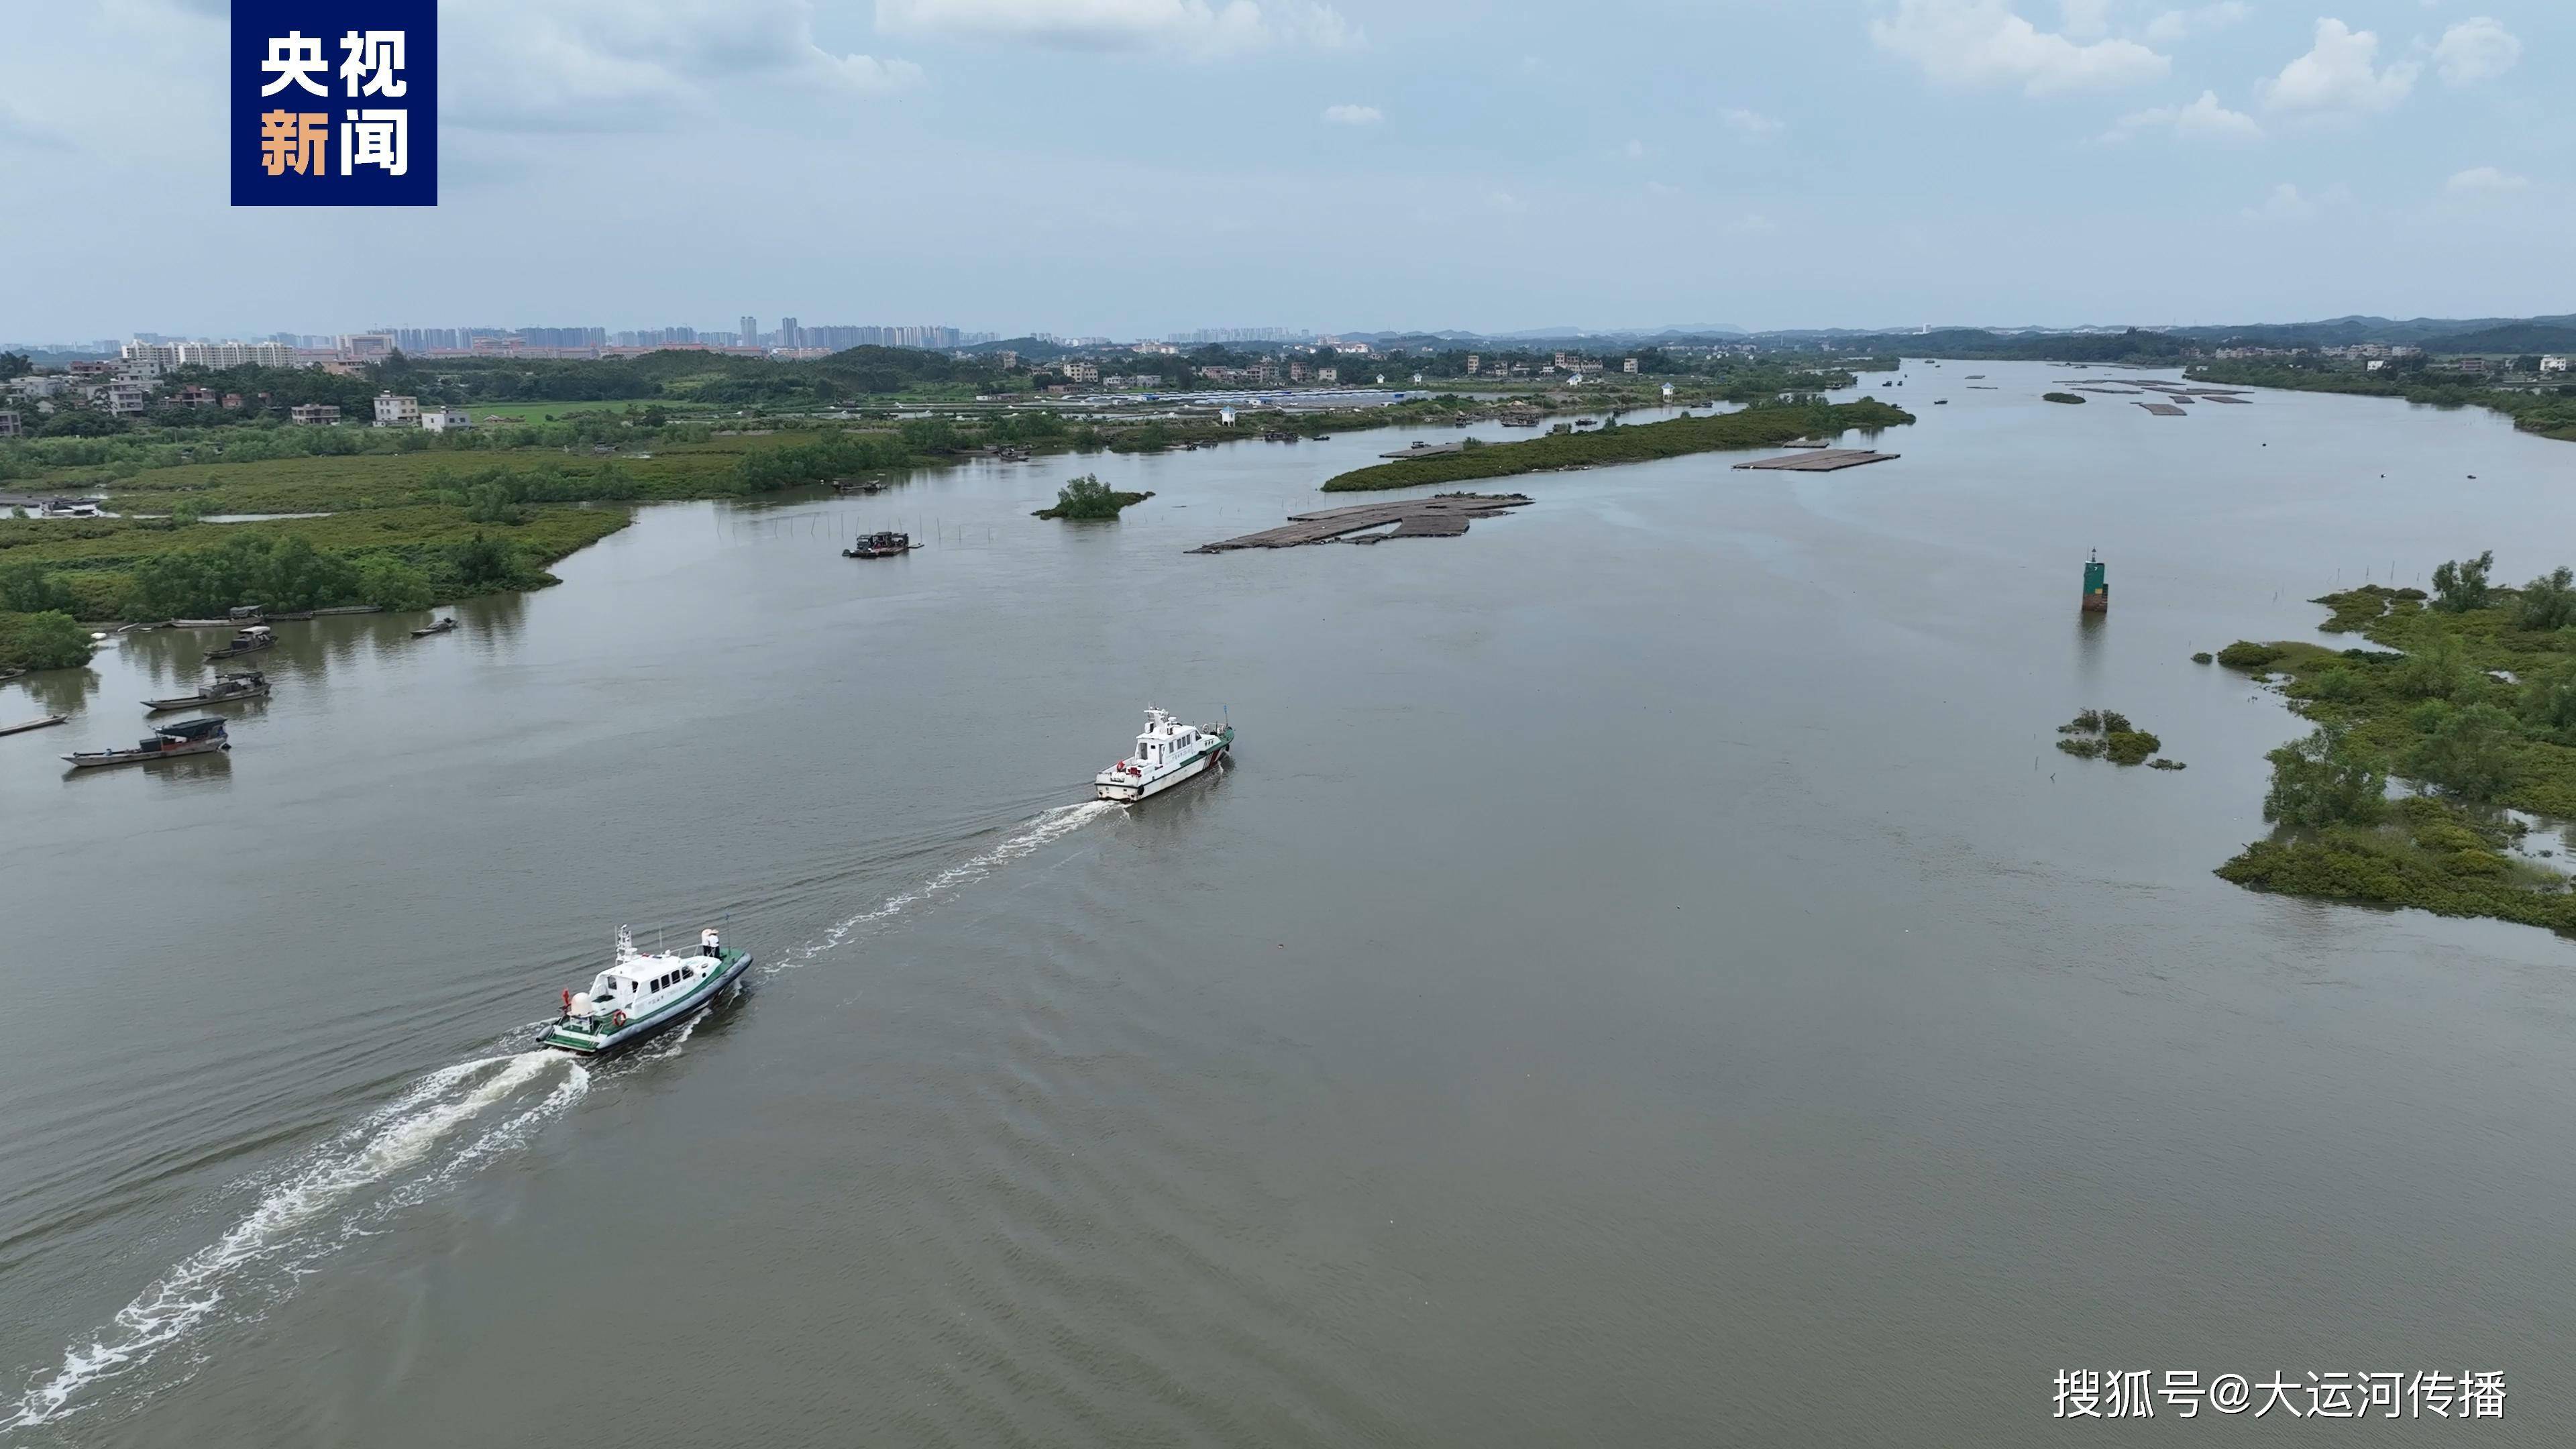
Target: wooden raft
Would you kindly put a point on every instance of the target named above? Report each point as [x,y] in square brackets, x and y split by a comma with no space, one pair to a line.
[1444,516]
[1821,460]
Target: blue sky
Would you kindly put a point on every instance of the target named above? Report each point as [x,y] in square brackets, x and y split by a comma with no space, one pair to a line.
[1132,167]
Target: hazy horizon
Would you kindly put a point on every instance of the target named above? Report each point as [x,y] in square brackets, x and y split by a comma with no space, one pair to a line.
[1136,168]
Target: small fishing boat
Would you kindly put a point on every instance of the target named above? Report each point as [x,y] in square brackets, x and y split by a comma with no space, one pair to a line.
[441,627]
[880,545]
[167,742]
[249,684]
[642,992]
[1167,753]
[39,722]
[246,641]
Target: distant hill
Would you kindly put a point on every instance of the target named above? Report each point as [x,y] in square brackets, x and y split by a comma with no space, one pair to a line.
[2540,334]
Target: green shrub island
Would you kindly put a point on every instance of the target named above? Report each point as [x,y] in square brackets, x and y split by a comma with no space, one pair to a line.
[2106,734]
[2470,705]
[1088,497]
[2061,397]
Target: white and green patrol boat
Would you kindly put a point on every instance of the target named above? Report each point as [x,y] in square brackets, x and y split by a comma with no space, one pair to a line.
[640,993]
[1167,753]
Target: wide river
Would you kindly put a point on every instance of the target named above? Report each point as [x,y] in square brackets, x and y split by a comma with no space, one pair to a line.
[1646,979]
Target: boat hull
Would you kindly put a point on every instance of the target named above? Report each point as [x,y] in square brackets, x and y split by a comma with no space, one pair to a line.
[1148,789]
[198,701]
[145,757]
[562,1036]
[231,651]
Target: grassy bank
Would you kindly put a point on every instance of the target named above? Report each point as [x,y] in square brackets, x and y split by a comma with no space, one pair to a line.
[2472,703]
[1757,427]
[104,569]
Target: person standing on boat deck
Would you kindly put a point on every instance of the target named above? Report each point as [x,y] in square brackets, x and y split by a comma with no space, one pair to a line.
[707,942]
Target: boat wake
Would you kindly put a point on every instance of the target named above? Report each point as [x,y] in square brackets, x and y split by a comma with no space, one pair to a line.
[442,1127]
[397,1157]
[1051,826]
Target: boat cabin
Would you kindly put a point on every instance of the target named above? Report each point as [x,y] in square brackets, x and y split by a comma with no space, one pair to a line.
[639,985]
[1163,742]
[166,739]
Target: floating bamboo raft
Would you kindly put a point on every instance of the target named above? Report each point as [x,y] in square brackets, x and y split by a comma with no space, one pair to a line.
[1821,460]
[1444,516]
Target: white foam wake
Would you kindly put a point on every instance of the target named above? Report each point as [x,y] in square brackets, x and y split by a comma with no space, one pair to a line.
[261,1256]
[387,1155]
[1053,825]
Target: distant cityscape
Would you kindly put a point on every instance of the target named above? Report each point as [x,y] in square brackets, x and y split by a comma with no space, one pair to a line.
[790,339]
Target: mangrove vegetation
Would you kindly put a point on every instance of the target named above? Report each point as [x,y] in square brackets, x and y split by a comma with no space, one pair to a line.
[1755,427]
[2470,702]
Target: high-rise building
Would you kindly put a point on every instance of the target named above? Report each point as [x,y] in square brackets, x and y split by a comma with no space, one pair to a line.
[562,337]
[750,333]
[789,334]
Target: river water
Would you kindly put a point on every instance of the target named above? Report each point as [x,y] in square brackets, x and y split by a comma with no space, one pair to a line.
[1647,978]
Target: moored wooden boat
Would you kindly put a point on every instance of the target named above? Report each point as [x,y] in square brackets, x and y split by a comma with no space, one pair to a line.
[168,742]
[441,627]
[250,684]
[40,722]
[880,545]
[246,641]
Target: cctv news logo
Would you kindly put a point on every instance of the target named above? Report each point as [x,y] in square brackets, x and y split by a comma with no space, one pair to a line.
[334,102]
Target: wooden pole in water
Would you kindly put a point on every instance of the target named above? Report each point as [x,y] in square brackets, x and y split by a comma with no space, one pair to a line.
[2097,587]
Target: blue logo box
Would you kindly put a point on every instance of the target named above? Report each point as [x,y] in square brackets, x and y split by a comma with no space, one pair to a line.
[334,102]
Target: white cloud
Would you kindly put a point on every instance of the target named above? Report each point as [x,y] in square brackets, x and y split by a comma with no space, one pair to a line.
[1971,43]
[2084,19]
[2476,50]
[2174,25]
[1193,27]
[2287,203]
[2339,77]
[1751,123]
[1635,150]
[2485,181]
[2203,120]
[1353,115]
[614,64]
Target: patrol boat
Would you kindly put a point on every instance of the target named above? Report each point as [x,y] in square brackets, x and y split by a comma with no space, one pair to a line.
[640,993]
[1167,753]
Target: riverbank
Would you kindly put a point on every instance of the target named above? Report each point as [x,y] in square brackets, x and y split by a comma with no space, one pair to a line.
[395,558]
[2549,414]
[1758,427]
[2473,703]
[405,520]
